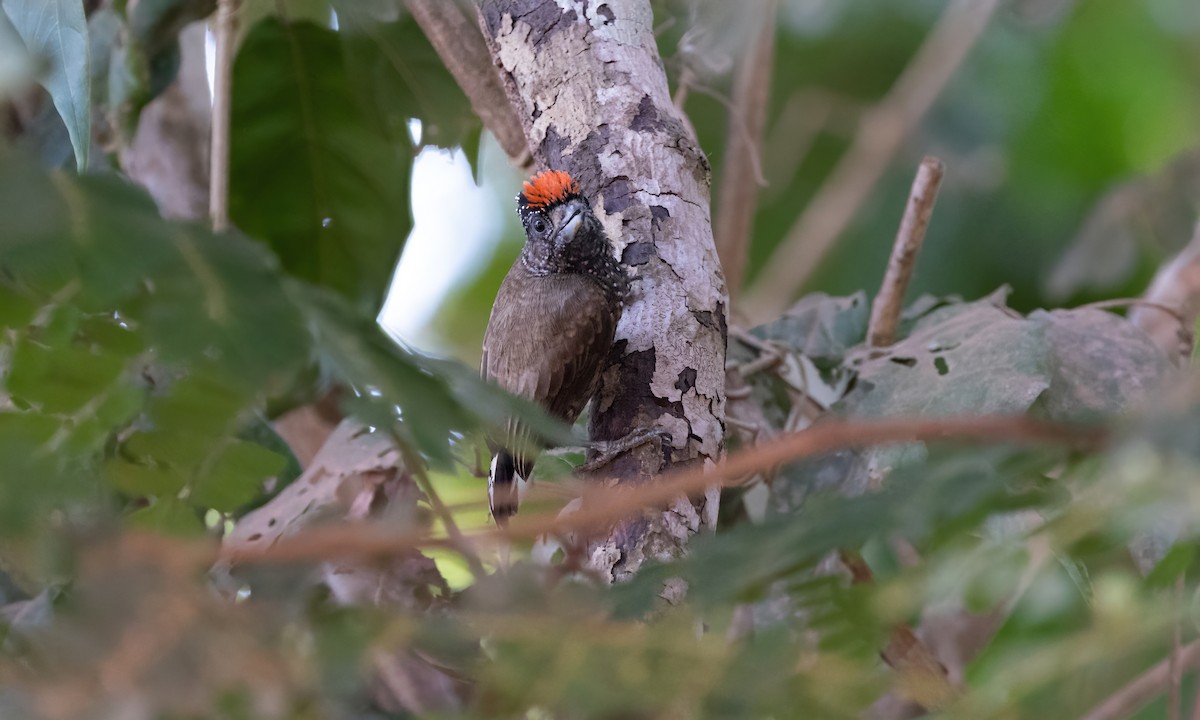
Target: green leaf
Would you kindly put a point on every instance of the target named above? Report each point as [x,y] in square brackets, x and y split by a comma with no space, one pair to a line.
[1178,559]
[200,402]
[89,433]
[177,447]
[236,477]
[32,481]
[60,380]
[56,31]
[260,432]
[435,397]
[397,73]
[168,516]
[111,335]
[1100,364]
[966,359]
[16,310]
[310,174]
[251,12]
[821,327]
[138,480]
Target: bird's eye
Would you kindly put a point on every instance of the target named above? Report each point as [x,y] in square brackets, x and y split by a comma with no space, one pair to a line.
[539,226]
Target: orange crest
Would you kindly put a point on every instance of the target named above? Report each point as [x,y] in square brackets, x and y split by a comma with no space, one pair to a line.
[549,187]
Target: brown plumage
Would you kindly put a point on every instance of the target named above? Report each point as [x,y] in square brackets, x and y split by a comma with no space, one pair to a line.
[553,321]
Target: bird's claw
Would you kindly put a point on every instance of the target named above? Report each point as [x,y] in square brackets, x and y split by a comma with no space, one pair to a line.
[609,450]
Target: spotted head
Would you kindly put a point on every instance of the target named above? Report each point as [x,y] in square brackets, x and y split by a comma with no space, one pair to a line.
[562,234]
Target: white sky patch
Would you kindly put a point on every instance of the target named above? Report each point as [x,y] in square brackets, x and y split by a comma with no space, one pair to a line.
[455,223]
[210,61]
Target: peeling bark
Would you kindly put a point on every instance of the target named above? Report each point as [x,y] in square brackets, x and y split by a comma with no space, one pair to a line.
[587,82]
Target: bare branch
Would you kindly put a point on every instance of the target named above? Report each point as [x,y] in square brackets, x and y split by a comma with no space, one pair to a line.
[1129,699]
[882,131]
[885,311]
[1176,288]
[459,43]
[737,194]
[226,32]
[351,465]
[305,430]
[604,504]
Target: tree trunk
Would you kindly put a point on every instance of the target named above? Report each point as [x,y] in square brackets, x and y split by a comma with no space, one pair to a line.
[589,87]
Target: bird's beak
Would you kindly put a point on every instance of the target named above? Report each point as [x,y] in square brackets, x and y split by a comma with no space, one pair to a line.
[574,218]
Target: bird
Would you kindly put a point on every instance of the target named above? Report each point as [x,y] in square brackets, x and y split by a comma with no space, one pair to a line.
[553,322]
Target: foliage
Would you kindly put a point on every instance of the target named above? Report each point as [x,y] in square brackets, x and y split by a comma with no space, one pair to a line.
[143,362]
[57,32]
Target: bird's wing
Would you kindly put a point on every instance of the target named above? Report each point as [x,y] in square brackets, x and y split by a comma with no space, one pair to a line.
[546,341]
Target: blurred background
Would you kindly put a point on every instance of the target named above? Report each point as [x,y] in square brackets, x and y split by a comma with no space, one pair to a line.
[146,364]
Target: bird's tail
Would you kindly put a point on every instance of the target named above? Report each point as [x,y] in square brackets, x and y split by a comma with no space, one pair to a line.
[502,487]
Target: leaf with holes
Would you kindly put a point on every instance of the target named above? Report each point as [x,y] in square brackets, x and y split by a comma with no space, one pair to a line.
[967,359]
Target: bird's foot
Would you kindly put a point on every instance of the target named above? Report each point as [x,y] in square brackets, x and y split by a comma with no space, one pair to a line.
[609,450]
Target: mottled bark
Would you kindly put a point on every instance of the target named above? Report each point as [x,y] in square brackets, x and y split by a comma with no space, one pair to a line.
[588,84]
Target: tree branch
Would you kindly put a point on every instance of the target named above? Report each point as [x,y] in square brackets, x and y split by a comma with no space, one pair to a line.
[589,88]
[737,195]
[1129,699]
[226,32]
[881,133]
[604,505]
[1176,288]
[459,44]
[885,310]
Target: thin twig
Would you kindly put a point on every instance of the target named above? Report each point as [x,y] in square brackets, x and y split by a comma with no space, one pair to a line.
[226,32]
[736,121]
[742,173]
[1142,689]
[604,503]
[1175,286]
[417,468]
[807,114]
[885,311]
[881,133]
[462,49]
[465,548]
[1113,303]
